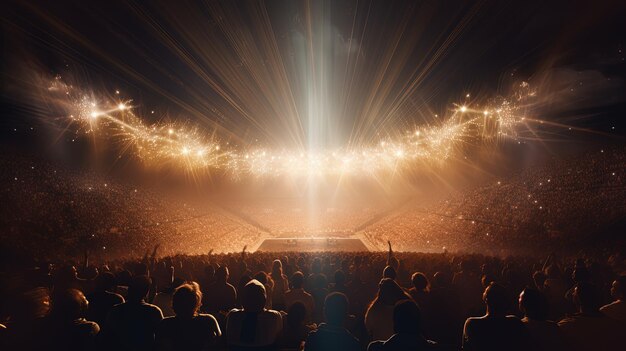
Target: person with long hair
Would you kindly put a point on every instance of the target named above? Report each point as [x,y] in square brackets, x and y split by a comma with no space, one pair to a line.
[379,315]
[188,329]
[281,285]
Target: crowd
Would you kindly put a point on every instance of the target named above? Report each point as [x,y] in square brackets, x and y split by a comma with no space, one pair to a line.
[315,301]
[567,203]
[67,212]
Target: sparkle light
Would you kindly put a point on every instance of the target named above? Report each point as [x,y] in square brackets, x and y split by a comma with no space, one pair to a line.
[189,148]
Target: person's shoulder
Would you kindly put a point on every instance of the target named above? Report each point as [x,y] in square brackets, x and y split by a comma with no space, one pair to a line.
[565,322]
[611,306]
[475,319]
[376,346]
[149,306]
[206,318]
[88,327]
[272,314]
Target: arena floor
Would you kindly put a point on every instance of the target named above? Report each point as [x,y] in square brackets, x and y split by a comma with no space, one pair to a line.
[313,244]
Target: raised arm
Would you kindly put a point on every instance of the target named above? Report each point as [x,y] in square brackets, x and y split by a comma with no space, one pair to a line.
[389,254]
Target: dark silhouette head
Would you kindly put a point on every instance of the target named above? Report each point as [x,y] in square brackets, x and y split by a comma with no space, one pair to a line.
[69,304]
[419,280]
[297,280]
[389,292]
[105,281]
[406,318]
[539,278]
[618,289]
[277,268]
[496,299]
[580,275]
[336,308]
[187,300]
[296,314]
[139,288]
[340,278]
[319,282]
[586,298]
[254,296]
[261,277]
[221,274]
[316,266]
[389,272]
[534,304]
[209,271]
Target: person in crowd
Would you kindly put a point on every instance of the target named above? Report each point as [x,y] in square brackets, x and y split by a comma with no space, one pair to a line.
[163,299]
[468,280]
[588,328]
[297,294]
[295,330]
[268,283]
[390,273]
[281,285]
[495,330]
[67,278]
[407,331]
[544,334]
[104,297]
[65,328]
[419,291]
[318,292]
[617,308]
[340,282]
[316,275]
[253,327]
[379,315]
[188,329]
[332,335]
[221,296]
[132,324]
[26,312]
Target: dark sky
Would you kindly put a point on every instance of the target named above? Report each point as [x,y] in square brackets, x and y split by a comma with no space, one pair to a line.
[114,44]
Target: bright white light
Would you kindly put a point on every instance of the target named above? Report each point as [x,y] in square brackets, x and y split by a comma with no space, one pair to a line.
[463,108]
[121,106]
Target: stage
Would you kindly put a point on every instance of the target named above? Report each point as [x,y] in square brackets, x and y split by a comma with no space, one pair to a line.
[313,244]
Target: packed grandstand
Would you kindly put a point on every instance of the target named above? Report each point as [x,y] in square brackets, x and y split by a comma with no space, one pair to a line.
[579,201]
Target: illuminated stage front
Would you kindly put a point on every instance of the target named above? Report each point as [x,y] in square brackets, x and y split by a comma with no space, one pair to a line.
[313,245]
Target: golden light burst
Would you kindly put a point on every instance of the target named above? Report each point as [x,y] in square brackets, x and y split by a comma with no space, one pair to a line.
[187,147]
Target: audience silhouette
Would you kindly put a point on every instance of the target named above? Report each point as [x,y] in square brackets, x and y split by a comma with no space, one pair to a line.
[342,304]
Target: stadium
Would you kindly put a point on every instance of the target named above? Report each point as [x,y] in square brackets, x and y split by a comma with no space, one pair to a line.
[312,175]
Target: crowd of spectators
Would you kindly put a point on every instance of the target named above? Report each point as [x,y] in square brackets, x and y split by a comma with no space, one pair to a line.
[566,203]
[63,211]
[315,301]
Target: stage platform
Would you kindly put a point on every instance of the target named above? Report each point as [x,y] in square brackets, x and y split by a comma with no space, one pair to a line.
[313,245]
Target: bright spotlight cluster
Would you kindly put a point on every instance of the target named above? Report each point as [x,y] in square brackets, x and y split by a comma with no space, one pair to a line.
[189,148]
